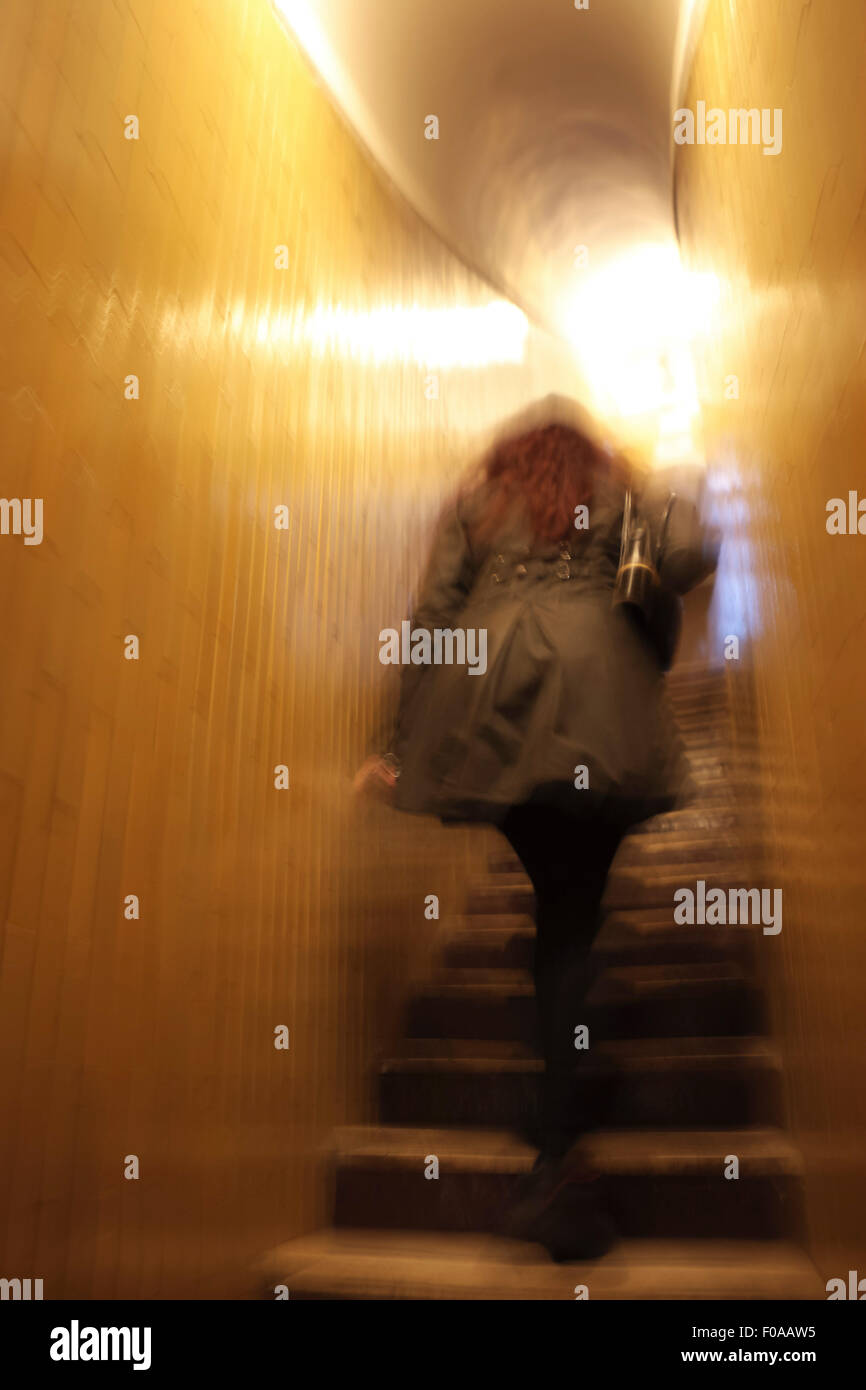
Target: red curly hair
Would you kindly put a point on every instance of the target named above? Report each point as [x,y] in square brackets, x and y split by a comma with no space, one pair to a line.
[550,470]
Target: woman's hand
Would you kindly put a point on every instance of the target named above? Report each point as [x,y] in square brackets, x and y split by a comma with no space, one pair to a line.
[375,777]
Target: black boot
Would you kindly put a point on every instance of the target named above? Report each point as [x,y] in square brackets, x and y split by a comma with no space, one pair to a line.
[558,1207]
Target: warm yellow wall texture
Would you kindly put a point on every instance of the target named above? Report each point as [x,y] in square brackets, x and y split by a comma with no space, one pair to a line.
[305,386]
[786,236]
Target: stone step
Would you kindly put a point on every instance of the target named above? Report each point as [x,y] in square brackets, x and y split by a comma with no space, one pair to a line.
[507,896]
[702,724]
[413,1265]
[658,1001]
[639,850]
[677,848]
[726,794]
[717,1082]
[719,748]
[474,1004]
[708,705]
[696,692]
[628,886]
[716,731]
[654,886]
[499,1092]
[709,717]
[648,936]
[626,938]
[496,922]
[711,768]
[491,948]
[693,819]
[659,1182]
[718,833]
[630,1001]
[717,735]
[695,676]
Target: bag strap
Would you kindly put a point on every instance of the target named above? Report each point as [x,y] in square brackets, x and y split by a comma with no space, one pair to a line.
[626,526]
[628,508]
[663,531]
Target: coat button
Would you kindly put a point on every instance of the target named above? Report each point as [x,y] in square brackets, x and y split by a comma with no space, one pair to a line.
[497,578]
[562,570]
[520,571]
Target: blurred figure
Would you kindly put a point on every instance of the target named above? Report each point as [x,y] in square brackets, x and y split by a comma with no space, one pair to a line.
[560,735]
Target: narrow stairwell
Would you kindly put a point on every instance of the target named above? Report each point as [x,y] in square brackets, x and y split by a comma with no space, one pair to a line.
[686,1073]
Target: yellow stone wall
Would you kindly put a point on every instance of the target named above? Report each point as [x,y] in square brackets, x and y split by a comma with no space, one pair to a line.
[306,386]
[785,235]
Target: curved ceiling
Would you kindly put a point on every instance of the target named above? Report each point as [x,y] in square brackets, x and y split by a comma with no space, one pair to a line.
[554,124]
[552,170]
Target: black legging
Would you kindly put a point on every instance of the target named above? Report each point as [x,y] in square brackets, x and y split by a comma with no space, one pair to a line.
[567,862]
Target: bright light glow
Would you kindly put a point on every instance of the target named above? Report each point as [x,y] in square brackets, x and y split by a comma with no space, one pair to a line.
[689,26]
[450,337]
[632,323]
[308,31]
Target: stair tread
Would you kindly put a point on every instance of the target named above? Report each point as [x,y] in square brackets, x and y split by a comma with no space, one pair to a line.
[688,845]
[656,921]
[705,1050]
[678,943]
[486,1150]
[419,1049]
[516,883]
[497,921]
[626,1151]
[472,980]
[613,1151]
[618,979]
[663,1053]
[372,1264]
[690,818]
[461,1065]
[485,935]
[680,873]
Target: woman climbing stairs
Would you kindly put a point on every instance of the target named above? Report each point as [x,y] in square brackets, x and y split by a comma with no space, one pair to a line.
[690,1086]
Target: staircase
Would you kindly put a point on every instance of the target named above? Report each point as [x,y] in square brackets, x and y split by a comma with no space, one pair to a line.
[687,1075]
